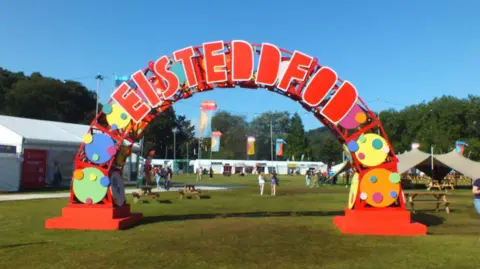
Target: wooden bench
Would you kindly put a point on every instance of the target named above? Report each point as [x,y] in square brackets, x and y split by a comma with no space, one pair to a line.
[145,191]
[189,191]
[440,199]
[434,184]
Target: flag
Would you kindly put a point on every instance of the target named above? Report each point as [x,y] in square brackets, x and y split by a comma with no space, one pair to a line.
[279,146]
[207,109]
[119,79]
[251,145]
[460,147]
[216,141]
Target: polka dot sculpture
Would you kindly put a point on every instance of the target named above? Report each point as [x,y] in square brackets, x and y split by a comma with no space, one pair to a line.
[90,185]
[375,203]
[99,148]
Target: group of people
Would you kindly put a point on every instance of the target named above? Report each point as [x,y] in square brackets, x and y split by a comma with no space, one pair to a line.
[163,176]
[316,177]
[273,182]
[200,173]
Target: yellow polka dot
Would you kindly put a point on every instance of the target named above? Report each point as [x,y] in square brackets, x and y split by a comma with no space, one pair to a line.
[116,117]
[367,154]
[87,138]
[93,177]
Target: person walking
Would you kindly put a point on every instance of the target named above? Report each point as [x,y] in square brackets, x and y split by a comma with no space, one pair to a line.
[169,178]
[476,194]
[261,182]
[199,174]
[57,176]
[274,183]
[158,175]
[211,173]
[307,178]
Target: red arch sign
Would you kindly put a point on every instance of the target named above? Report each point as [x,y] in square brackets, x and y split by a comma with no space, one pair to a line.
[97,197]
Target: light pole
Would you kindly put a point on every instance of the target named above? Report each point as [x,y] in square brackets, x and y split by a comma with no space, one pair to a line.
[98,78]
[271,141]
[174,130]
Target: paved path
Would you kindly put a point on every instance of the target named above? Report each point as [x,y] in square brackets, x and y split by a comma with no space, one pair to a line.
[31,196]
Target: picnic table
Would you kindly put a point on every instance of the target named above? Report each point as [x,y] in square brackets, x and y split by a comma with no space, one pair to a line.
[145,191]
[189,191]
[439,198]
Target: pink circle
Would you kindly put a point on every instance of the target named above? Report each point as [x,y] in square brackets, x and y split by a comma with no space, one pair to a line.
[349,122]
[377,197]
[361,155]
[111,151]
[89,201]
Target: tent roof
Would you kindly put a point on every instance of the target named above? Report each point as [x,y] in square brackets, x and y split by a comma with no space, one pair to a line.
[46,132]
[411,159]
[340,168]
[459,163]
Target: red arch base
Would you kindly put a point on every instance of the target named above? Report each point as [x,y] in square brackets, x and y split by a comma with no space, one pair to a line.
[97,199]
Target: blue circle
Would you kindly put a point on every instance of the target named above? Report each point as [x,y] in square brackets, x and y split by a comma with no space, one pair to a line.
[114,127]
[393,194]
[353,146]
[107,109]
[105,181]
[377,144]
[123,116]
[100,144]
[373,179]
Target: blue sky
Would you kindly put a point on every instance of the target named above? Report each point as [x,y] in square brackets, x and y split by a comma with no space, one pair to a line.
[402,52]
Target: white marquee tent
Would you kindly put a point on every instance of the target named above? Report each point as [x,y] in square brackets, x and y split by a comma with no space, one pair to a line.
[60,140]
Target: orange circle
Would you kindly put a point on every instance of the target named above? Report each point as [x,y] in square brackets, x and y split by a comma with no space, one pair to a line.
[361,117]
[375,183]
[78,174]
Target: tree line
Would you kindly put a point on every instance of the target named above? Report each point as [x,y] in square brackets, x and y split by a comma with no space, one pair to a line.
[437,123]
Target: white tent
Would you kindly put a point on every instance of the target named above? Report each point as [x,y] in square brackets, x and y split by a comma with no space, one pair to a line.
[60,140]
[10,164]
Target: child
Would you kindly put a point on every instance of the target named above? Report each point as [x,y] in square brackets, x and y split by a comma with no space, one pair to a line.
[307,178]
[274,182]
[261,182]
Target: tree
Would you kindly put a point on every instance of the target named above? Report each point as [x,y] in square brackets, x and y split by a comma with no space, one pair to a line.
[295,138]
[158,135]
[260,128]
[39,97]
[323,146]
[233,143]
[185,135]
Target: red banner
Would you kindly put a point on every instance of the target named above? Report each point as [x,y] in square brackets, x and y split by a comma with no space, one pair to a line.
[34,168]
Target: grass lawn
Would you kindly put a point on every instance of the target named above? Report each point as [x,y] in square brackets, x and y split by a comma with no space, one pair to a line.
[238,229]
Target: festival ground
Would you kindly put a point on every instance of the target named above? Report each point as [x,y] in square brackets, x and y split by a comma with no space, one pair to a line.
[237,228]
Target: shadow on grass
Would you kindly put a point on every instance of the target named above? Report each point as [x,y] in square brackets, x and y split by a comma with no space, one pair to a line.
[427,219]
[21,245]
[155,219]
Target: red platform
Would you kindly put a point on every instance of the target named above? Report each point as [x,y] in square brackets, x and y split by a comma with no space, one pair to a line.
[376,222]
[94,217]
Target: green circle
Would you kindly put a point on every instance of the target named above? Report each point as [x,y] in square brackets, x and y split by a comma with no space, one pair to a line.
[86,188]
[95,157]
[394,178]
[362,139]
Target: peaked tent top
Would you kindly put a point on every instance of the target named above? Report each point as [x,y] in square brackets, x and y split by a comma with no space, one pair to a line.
[460,163]
[410,159]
